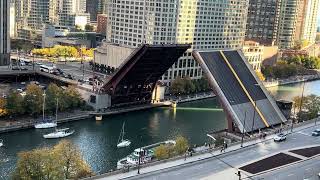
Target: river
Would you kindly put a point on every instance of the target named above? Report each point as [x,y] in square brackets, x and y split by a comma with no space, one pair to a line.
[97,140]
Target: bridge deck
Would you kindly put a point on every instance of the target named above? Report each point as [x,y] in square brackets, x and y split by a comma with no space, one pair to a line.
[239,89]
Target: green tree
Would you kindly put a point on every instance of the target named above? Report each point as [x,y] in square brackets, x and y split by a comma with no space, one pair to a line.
[181,145]
[53,93]
[15,104]
[177,86]
[34,99]
[73,97]
[89,28]
[63,161]
[188,85]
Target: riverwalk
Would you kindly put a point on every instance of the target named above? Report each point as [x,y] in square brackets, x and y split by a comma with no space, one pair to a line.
[160,167]
[291,80]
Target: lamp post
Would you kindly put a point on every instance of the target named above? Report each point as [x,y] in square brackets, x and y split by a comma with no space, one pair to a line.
[301,100]
[139,160]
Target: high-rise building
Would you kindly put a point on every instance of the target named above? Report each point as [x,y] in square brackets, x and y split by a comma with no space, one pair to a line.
[31,15]
[297,22]
[96,7]
[309,26]
[262,21]
[206,24]
[4,32]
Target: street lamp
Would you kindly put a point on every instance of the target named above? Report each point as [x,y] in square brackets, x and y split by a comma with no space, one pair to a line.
[139,156]
[301,100]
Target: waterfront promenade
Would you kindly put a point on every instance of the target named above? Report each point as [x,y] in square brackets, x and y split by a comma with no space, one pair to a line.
[222,165]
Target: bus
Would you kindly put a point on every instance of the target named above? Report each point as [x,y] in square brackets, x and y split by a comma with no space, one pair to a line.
[47,69]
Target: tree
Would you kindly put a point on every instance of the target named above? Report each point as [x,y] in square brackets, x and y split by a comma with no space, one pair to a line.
[162,152]
[310,105]
[181,145]
[34,99]
[260,76]
[63,161]
[73,97]
[177,86]
[53,93]
[89,28]
[15,104]
[188,85]
[3,107]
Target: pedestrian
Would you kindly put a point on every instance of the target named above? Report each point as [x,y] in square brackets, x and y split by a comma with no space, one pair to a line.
[185,156]
[226,146]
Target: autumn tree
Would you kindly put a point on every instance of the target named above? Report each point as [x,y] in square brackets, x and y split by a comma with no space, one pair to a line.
[3,107]
[63,161]
[181,145]
[34,99]
[161,152]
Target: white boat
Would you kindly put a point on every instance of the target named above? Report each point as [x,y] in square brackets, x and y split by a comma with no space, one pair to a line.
[123,142]
[1,142]
[98,117]
[43,124]
[59,133]
[146,155]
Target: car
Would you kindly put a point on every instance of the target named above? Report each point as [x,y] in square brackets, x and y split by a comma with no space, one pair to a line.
[280,137]
[15,68]
[316,132]
[38,63]
[23,94]
[23,69]
[20,90]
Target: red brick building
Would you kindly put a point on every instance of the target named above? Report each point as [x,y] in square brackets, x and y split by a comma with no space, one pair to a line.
[102,23]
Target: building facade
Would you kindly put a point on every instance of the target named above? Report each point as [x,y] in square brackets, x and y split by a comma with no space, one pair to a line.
[4,32]
[297,22]
[253,52]
[31,15]
[309,26]
[102,20]
[206,24]
[262,21]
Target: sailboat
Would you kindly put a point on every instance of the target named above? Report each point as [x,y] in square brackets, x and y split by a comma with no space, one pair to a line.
[58,133]
[123,142]
[44,124]
[1,142]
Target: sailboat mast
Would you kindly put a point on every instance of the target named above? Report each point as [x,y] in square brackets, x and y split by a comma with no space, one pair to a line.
[44,101]
[57,109]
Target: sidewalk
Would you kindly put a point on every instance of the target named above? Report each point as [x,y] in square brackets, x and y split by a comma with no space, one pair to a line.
[196,158]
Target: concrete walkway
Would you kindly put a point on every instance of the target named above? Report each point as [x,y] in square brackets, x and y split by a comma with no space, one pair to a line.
[190,160]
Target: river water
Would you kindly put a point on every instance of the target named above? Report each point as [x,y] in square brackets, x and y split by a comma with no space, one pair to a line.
[97,140]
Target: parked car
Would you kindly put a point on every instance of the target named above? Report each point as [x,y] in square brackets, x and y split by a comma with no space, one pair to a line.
[24,69]
[280,137]
[15,68]
[316,132]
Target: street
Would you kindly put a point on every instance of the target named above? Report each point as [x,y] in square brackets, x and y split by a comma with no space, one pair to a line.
[225,166]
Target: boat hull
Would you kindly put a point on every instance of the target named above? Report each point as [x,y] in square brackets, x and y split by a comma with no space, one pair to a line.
[57,135]
[45,125]
[124,143]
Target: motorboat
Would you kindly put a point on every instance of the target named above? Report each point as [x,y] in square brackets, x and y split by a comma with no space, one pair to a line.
[1,143]
[145,154]
[59,133]
[121,141]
